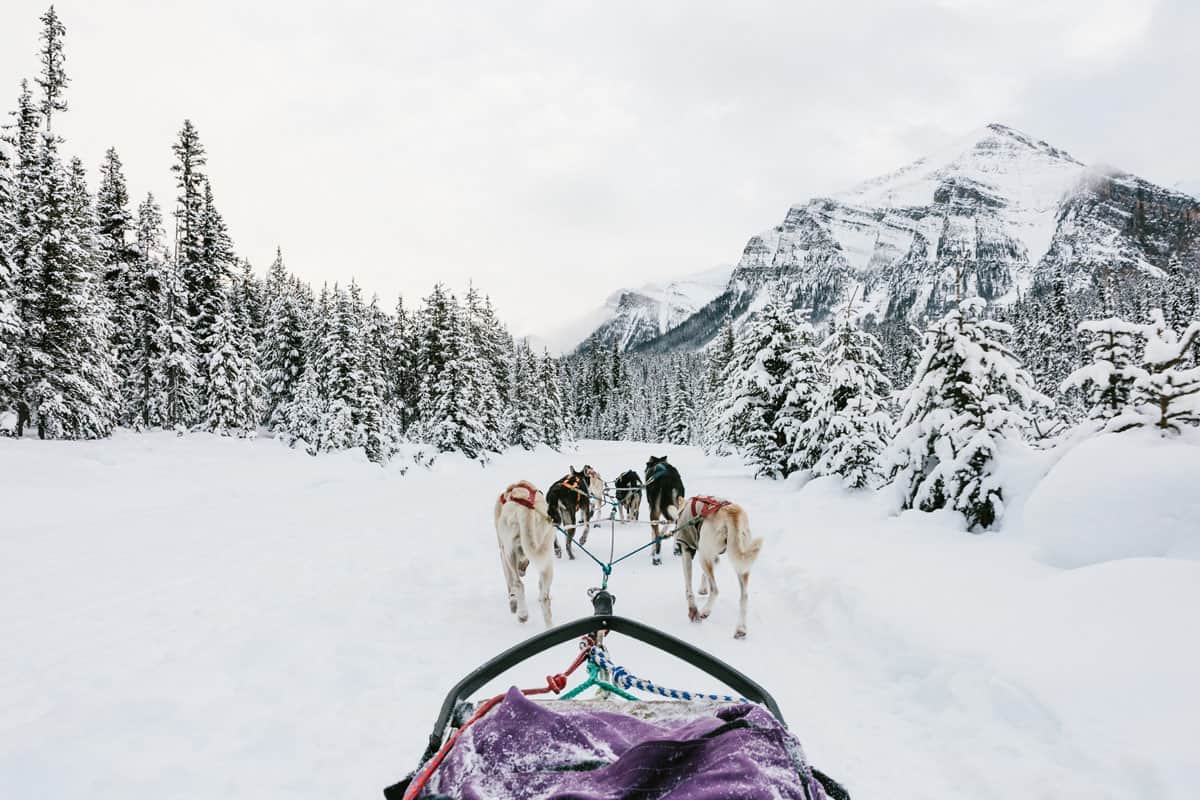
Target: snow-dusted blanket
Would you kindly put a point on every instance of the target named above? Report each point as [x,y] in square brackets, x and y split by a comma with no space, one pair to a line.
[527,750]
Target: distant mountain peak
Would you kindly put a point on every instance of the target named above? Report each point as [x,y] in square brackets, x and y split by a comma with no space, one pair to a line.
[1000,207]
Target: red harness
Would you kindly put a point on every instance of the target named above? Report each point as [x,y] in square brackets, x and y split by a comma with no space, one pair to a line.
[708,505]
[528,502]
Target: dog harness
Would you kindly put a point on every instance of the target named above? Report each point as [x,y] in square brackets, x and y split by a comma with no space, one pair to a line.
[528,502]
[705,506]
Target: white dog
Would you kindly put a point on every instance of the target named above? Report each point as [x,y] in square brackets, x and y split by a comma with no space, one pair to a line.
[525,535]
[710,527]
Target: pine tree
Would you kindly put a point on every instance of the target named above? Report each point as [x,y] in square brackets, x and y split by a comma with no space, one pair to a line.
[140,391]
[118,258]
[524,413]
[849,427]
[284,346]
[10,323]
[969,396]
[189,213]
[28,166]
[175,400]
[225,406]
[555,430]
[53,77]
[1108,382]
[801,385]
[250,390]
[1166,392]
[70,391]
[211,276]
[449,391]
[763,379]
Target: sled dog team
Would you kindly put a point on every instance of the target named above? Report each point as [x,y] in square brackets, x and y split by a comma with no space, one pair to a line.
[527,521]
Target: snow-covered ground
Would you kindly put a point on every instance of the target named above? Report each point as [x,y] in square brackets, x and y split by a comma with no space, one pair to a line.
[199,617]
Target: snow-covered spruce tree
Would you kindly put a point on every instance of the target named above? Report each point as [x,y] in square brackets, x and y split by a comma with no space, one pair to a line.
[769,367]
[716,362]
[10,325]
[71,386]
[211,278]
[283,347]
[243,300]
[849,428]
[26,164]
[403,360]
[97,359]
[681,410]
[1108,381]
[377,398]
[340,428]
[492,349]
[190,160]
[555,430]
[118,265]
[524,414]
[449,398]
[801,386]
[52,77]
[225,409]
[969,396]
[1166,393]
[175,396]
[145,279]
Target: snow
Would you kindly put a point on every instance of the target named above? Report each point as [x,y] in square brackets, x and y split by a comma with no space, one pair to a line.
[1118,496]
[197,616]
[1030,176]
[664,305]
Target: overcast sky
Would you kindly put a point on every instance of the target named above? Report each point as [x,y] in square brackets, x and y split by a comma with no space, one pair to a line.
[553,152]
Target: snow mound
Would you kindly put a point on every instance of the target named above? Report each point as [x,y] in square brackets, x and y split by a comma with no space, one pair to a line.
[1118,496]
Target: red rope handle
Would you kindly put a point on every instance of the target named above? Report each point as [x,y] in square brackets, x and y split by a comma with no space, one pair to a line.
[554,683]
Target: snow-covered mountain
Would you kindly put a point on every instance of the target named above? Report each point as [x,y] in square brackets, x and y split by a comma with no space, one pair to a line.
[632,317]
[1000,209]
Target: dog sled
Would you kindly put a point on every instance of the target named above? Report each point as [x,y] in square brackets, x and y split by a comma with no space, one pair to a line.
[618,743]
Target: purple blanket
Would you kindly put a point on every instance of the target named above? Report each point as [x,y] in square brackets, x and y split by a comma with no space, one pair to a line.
[526,750]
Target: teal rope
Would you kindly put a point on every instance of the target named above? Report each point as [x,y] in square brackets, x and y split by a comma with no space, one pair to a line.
[594,680]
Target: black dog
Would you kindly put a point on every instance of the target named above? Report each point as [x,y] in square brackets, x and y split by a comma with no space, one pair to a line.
[569,501]
[629,494]
[664,493]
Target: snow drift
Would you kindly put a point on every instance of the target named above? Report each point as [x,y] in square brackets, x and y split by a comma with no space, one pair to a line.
[1118,496]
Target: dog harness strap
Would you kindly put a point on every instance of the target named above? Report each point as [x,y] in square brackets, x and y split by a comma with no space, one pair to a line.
[708,505]
[528,502]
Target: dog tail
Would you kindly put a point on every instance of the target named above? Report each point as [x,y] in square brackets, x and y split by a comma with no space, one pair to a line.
[748,546]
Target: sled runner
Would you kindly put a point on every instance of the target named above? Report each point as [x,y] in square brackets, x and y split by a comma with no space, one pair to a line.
[690,745]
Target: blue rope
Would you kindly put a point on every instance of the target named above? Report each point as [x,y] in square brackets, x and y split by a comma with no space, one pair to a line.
[623,679]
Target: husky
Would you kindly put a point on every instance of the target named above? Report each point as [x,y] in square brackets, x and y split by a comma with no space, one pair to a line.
[629,494]
[664,493]
[595,499]
[568,500]
[525,536]
[709,527]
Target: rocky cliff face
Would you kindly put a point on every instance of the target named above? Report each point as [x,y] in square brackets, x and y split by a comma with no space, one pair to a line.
[633,317]
[992,215]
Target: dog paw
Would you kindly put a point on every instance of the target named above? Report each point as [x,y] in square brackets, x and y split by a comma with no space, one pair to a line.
[704,614]
[656,561]
[522,617]
[694,614]
[740,633]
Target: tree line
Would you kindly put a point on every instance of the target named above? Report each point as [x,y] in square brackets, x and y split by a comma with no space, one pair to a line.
[103,323]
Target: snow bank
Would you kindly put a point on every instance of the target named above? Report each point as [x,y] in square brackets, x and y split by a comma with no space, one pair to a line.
[1117,496]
